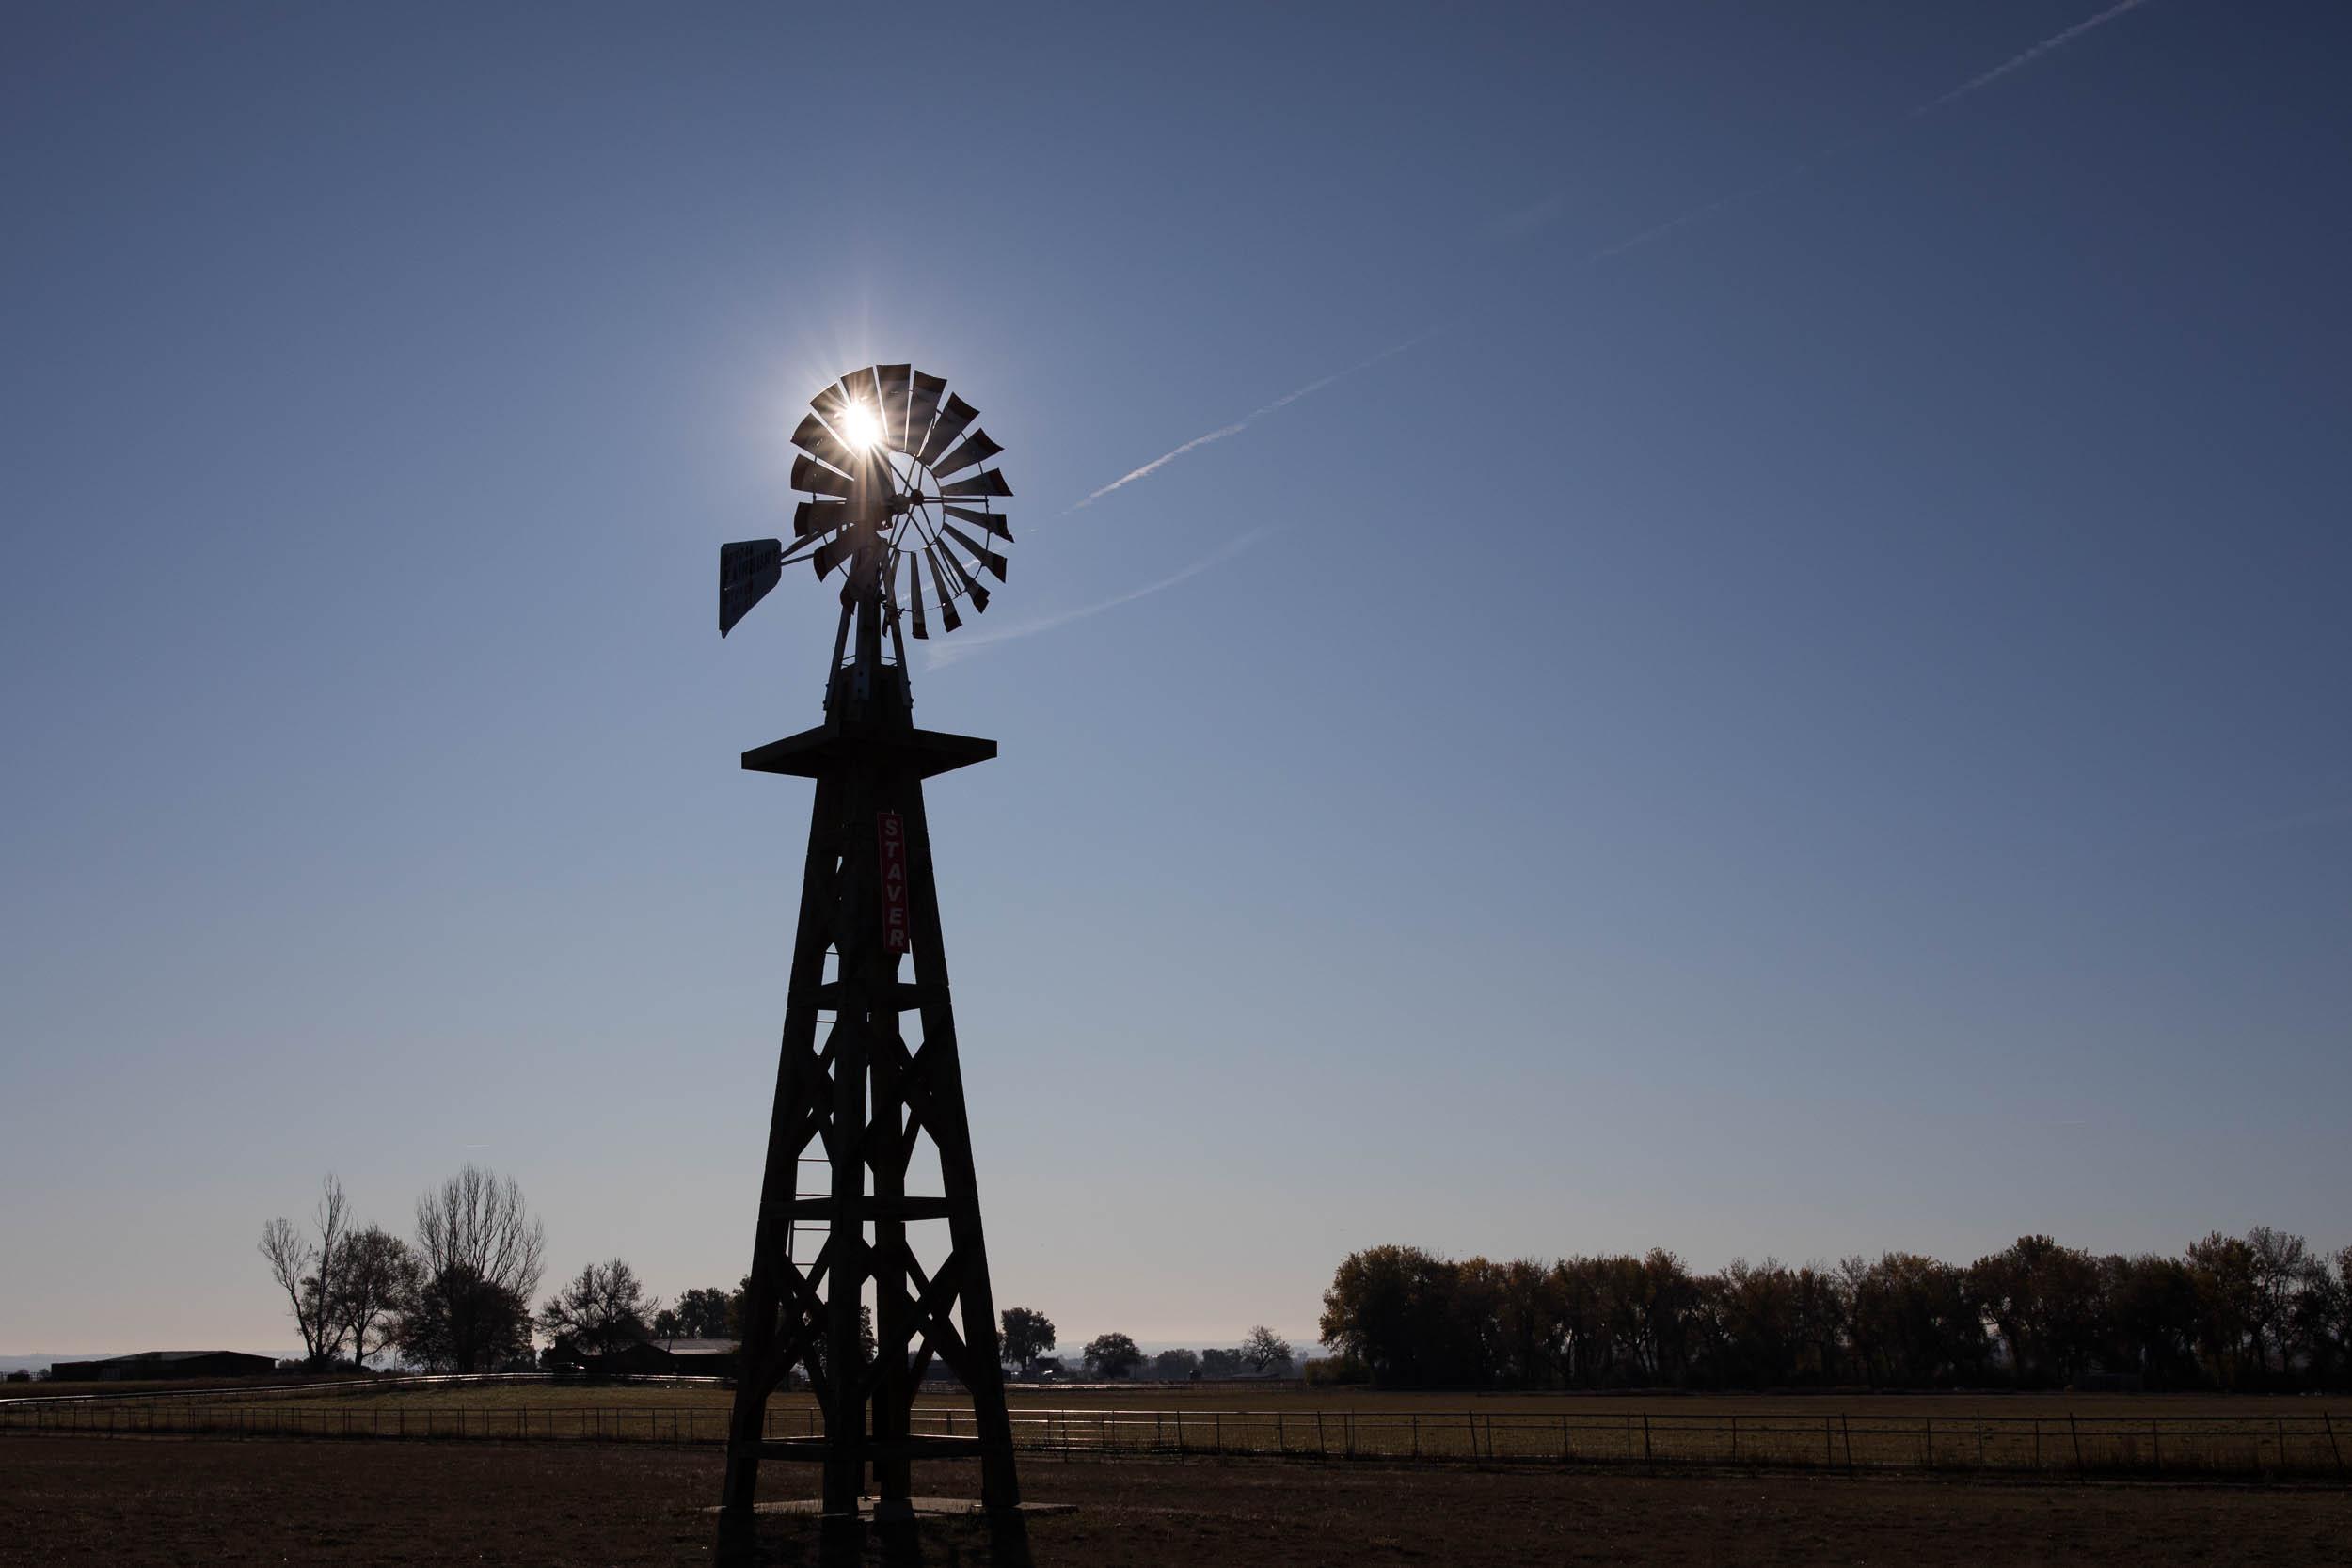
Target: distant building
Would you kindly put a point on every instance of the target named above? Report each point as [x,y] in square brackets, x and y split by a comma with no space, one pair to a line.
[667,1358]
[156,1366]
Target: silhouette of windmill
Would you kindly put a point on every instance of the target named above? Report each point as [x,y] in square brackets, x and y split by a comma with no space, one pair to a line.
[878,456]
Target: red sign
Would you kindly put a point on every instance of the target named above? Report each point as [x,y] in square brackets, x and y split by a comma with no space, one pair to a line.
[894,881]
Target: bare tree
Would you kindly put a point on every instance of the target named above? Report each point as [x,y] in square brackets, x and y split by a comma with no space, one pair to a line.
[1266,1351]
[306,1271]
[477,1266]
[477,1222]
[376,1274]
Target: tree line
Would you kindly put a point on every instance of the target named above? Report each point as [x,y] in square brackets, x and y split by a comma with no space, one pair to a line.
[2258,1311]
[456,1296]
[1027,1336]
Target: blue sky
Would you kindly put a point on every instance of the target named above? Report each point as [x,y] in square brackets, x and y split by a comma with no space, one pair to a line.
[1820,731]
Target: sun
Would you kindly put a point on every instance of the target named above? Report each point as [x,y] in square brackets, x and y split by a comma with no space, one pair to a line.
[860,427]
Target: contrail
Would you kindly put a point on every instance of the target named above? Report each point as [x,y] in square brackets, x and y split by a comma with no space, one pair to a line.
[1244,421]
[1513,226]
[2056,40]
[1974,83]
[1530,218]
[948,653]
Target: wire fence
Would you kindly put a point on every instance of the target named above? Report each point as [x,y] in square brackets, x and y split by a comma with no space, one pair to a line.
[2188,1447]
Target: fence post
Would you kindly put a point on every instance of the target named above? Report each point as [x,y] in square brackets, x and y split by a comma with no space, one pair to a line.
[1216,1433]
[1323,1448]
[1648,1458]
[1282,1441]
[1416,1435]
[1846,1428]
[2036,1445]
[1979,1441]
[2282,1444]
[1829,1447]
[1563,1437]
[2155,1443]
[2331,1442]
[2074,1428]
[1927,1436]
[1349,1417]
[1735,1437]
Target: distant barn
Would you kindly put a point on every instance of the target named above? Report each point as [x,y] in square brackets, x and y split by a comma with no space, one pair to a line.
[666,1358]
[156,1366]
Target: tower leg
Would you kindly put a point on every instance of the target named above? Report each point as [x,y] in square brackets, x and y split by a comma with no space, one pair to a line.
[775,1325]
[984,1370]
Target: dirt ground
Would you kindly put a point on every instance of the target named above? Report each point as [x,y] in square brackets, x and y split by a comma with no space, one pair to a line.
[137,1502]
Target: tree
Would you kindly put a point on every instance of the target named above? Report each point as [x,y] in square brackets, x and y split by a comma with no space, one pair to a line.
[478,1259]
[299,1265]
[704,1314]
[478,1221]
[374,1272]
[1220,1363]
[813,1357]
[2284,1269]
[1175,1366]
[2149,1308]
[1266,1351]
[2227,1309]
[1390,1308]
[603,1308]
[2045,1301]
[457,1321]
[1027,1336]
[1111,1355]
[1915,1321]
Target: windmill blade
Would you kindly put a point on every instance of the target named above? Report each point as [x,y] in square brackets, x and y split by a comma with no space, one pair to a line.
[971,583]
[975,447]
[980,553]
[993,521]
[834,551]
[812,437]
[915,600]
[988,482]
[947,601]
[830,402]
[746,572]
[809,474]
[811,517]
[892,381]
[922,405]
[950,424]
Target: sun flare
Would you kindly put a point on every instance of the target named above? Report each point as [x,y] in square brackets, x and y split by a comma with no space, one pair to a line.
[860,428]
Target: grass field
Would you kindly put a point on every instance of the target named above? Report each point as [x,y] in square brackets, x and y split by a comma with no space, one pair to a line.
[2045,1435]
[139,1504]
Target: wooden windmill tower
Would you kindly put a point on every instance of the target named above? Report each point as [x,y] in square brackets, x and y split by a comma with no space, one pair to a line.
[858,1091]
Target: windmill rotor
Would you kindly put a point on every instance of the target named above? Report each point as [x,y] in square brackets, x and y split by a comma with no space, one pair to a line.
[901,501]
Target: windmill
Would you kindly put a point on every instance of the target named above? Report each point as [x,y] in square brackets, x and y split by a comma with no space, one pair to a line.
[900,507]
